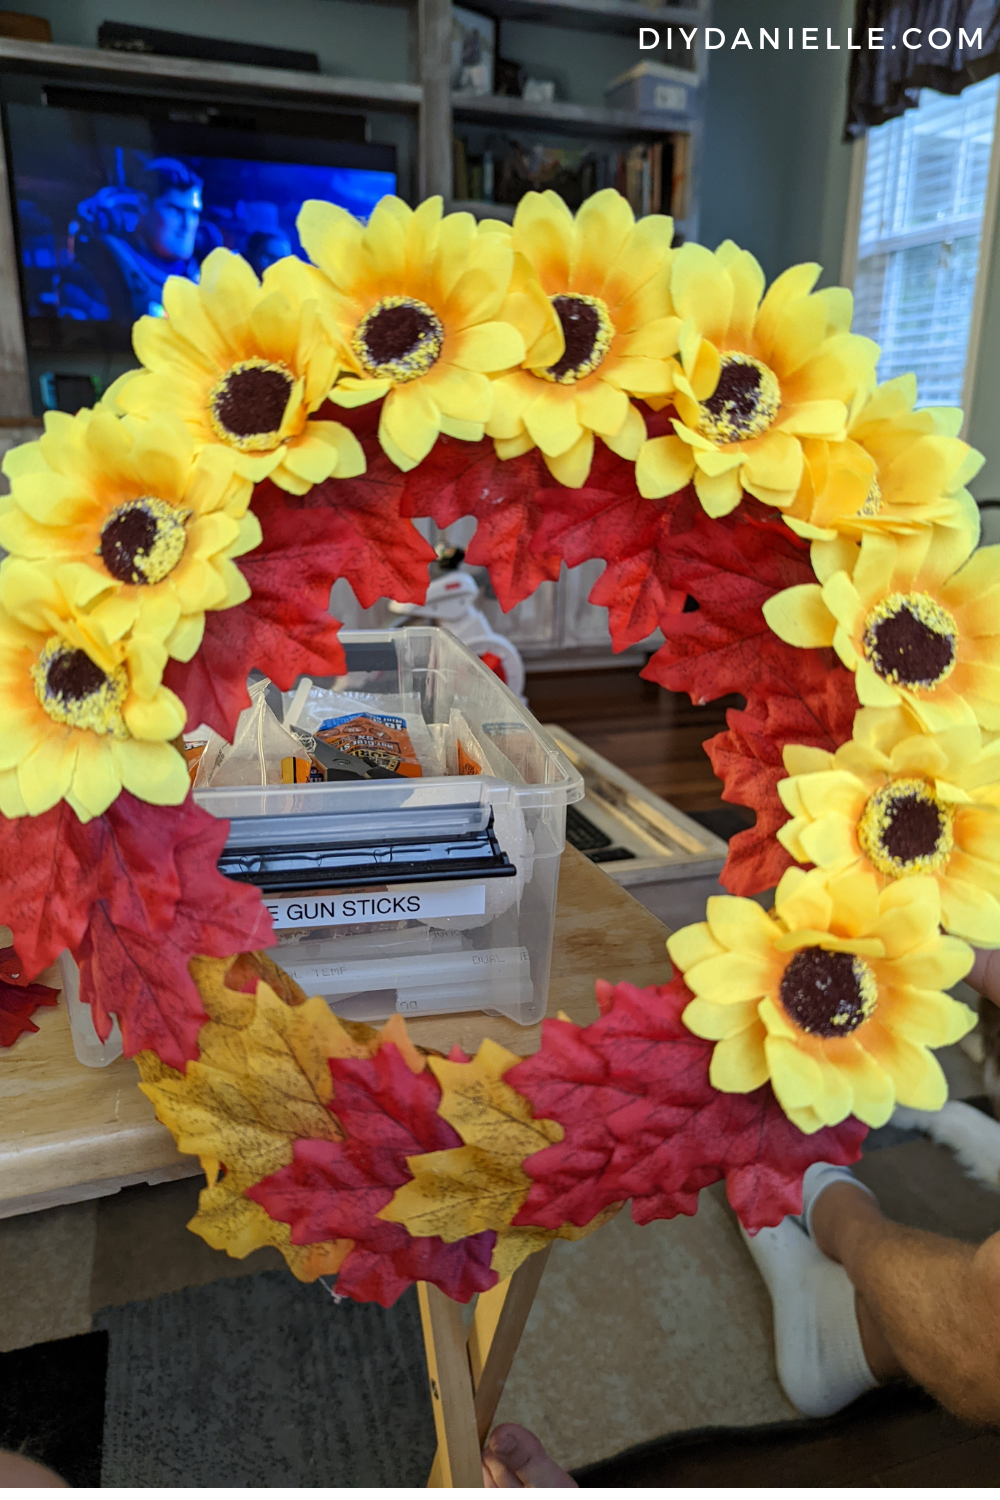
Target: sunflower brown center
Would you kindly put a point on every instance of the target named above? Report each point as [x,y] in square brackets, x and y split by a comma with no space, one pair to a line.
[905,829]
[588,333]
[74,690]
[247,405]
[143,540]
[910,639]
[872,503]
[828,994]
[398,339]
[744,403]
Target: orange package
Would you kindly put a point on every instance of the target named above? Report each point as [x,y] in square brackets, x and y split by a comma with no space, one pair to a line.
[381,739]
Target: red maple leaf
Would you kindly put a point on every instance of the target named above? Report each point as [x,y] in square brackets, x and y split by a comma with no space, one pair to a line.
[748,759]
[19,999]
[137,971]
[334,1189]
[609,519]
[467,479]
[730,566]
[53,868]
[343,528]
[642,1121]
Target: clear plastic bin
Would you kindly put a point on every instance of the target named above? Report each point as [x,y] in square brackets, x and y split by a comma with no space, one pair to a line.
[428,895]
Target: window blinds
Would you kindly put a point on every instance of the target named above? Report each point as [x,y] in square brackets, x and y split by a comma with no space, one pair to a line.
[918,246]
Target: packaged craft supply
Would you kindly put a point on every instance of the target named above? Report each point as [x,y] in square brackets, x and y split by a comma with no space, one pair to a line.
[384,729]
[429,894]
[260,746]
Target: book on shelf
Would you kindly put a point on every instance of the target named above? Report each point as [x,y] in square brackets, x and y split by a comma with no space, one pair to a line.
[653,177]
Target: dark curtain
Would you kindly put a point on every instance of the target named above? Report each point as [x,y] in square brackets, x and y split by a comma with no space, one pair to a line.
[884,84]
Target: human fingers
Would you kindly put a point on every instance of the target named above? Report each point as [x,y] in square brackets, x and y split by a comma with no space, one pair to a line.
[525,1461]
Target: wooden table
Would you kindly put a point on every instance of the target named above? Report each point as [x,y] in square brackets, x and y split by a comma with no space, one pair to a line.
[68,1133]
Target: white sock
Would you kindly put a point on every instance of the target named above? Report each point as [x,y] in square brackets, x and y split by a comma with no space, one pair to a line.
[817,1343]
[817,1178]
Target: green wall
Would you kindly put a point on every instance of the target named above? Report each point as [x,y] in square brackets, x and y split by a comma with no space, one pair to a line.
[776,174]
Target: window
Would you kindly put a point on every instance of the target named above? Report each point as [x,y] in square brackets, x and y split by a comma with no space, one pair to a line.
[922,209]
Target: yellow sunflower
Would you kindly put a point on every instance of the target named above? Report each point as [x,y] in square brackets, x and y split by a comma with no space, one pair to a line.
[607,279]
[757,378]
[417,301]
[899,470]
[244,365]
[895,802]
[918,622]
[835,998]
[74,724]
[149,526]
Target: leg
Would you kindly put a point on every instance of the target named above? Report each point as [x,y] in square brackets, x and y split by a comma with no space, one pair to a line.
[927,1306]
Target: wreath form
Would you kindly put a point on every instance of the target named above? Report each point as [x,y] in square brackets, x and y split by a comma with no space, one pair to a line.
[583,391]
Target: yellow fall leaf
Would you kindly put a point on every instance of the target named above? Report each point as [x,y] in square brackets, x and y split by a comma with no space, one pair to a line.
[261,1081]
[228,1221]
[481,1184]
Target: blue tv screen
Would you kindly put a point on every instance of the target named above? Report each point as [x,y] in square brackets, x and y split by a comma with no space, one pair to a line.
[108,206]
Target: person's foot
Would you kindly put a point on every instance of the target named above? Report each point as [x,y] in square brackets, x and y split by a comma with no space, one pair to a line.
[514,1459]
[817,1342]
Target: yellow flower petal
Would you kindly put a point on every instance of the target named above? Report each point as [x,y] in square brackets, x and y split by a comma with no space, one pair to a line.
[739,1063]
[799,616]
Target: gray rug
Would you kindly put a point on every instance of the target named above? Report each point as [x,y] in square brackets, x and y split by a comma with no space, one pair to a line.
[264,1382]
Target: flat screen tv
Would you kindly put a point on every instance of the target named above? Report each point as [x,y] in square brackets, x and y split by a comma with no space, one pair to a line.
[107,206]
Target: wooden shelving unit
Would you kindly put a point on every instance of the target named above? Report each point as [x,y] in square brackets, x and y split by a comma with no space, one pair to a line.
[184,75]
[620,17]
[562,625]
[567,119]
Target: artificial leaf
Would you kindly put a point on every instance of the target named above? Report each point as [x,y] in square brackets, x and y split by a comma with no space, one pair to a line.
[130,969]
[19,999]
[479,1184]
[642,1120]
[748,759]
[369,539]
[388,1107]
[284,629]
[54,869]
[254,1089]
[256,1086]
[467,479]
[228,1220]
[342,528]
[730,566]
[609,519]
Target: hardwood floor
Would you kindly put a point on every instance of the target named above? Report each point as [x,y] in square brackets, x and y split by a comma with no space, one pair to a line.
[654,735]
[897,1437]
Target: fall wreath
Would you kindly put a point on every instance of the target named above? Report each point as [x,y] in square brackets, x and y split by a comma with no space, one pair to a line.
[801,535]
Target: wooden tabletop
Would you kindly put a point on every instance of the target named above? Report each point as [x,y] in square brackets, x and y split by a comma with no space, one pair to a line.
[68,1132]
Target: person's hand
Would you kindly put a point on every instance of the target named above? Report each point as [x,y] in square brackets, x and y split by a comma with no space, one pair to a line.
[985,973]
[514,1459]
[20,1473]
